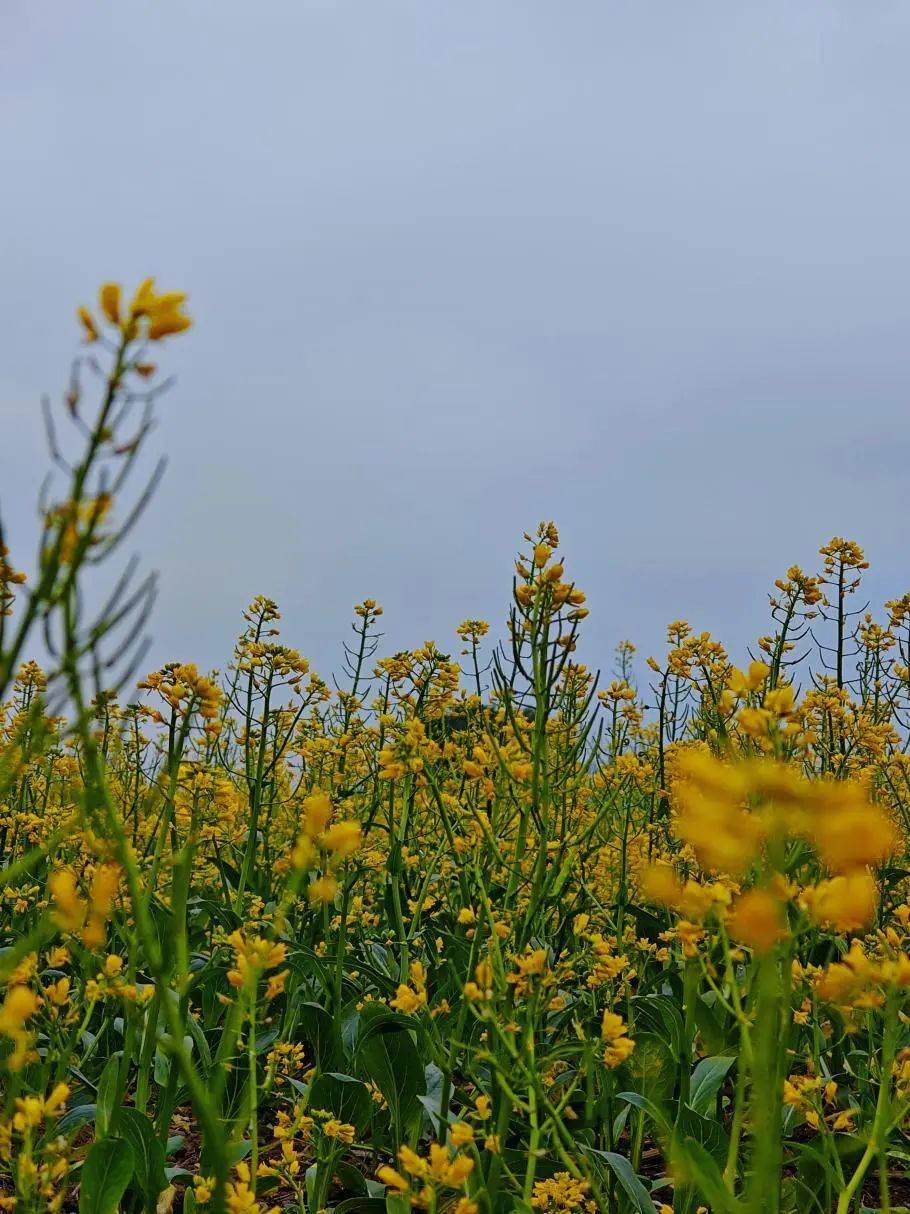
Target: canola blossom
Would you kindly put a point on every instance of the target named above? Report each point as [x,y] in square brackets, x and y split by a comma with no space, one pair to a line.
[460,928]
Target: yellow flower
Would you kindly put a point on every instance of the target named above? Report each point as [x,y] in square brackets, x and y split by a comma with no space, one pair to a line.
[755,920]
[461,1134]
[109,300]
[69,907]
[339,1130]
[740,683]
[203,1188]
[542,553]
[54,1103]
[846,904]
[29,1112]
[780,701]
[317,810]
[303,855]
[342,838]
[407,1000]
[855,836]
[275,985]
[619,1046]
[58,992]
[756,722]
[162,312]
[690,936]
[560,1192]
[323,889]
[167,321]
[88,324]
[20,1004]
[101,900]
[392,1179]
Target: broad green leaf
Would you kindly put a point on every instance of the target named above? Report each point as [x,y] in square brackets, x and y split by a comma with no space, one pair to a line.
[660,1016]
[107,1096]
[634,1189]
[321,1033]
[642,1102]
[350,1178]
[73,1118]
[201,1044]
[699,1169]
[180,1175]
[376,1016]
[310,1178]
[148,1154]
[432,1101]
[347,1098]
[390,1058]
[652,1068]
[107,1170]
[707,1079]
[706,1131]
[710,1026]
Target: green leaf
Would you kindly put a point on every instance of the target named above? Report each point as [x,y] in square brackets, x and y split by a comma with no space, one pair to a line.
[706,1131]
[345,1097]
[658,1015]
[432,1101]
[310,1178]
[73,1118]
[107,1170]
[704,1173]
[148,1154]
[229,874]
[107,1096]
[654,1112]
[622,1170]
[162,920]
[321,1033]
[161,1068]
[619,1121]
[390,1058]
[707,1079]
[713,1031]
[376,1016]
[350,1179]
[201,1044]
[652,1068]
[180,1175]
[237,1150]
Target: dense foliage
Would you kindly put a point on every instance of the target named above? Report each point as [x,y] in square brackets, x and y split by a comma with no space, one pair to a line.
[462,933]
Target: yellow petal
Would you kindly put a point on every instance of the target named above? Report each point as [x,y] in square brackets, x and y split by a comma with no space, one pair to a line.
[109,301]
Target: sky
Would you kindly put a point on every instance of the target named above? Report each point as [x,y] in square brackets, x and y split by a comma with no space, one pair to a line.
[641,268]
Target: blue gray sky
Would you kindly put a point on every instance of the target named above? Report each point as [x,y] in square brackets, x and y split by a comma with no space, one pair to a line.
[641,268]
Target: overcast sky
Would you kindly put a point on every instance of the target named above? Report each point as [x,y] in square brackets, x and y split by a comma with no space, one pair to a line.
[641,267]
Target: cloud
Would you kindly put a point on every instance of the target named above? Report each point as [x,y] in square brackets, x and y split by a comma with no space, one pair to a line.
[457,268]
